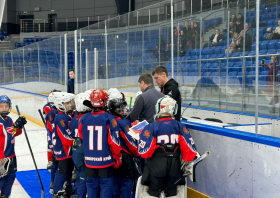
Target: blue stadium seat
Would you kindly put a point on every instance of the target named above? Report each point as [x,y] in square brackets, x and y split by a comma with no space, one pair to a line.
[263,46]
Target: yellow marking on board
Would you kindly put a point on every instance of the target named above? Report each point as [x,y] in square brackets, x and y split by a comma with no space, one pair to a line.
[195,194]
[34,120]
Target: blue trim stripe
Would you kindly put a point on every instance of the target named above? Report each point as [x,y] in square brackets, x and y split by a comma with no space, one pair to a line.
[26,92]
[250,137]
[261,124]
[233,112]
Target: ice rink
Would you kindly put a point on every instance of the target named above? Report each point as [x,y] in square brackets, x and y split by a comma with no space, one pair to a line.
[37,137]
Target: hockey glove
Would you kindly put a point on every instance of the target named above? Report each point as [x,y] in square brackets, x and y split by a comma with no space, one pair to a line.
[118,161]
[134,123]
[20,122]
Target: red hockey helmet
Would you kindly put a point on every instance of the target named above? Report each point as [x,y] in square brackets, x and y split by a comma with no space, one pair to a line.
[98,98]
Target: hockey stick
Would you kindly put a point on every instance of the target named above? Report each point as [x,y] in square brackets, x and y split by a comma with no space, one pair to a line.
[31,152]
[44,121]
[185,110]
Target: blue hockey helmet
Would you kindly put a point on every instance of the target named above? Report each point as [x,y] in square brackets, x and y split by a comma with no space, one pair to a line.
[5,99]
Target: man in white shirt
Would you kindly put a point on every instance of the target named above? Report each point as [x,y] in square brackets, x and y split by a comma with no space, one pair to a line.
[215,38]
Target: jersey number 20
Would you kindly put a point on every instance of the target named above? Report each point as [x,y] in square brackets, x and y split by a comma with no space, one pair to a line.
[91,130]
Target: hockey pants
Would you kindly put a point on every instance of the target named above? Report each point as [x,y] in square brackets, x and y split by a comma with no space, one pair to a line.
[54,168]
[99,179]
[7,182]
[122,187]
[63,176]
[81,187]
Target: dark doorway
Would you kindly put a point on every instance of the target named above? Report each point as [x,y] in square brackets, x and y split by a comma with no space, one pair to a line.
[26,22]
[52,22]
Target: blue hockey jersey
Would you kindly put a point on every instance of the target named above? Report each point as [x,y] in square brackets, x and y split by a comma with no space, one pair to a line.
[50,124]
[100,134]
[61,137]
[46,109]
[7,137]
[128,144]
[74,125]
[166,131]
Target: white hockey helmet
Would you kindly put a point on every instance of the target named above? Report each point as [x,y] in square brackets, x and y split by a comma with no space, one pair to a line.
[79,99]
[51,97]
[114,93]
[166,105]
[61,99]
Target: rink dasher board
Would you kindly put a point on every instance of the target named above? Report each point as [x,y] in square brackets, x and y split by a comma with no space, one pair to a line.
[237,118]
[241,164]
[262,127]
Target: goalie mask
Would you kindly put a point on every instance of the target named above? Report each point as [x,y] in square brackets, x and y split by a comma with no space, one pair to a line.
[65,102]
[5,105]
[167,106]
[4,167]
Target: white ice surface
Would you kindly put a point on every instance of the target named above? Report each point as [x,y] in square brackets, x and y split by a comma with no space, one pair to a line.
[38,140]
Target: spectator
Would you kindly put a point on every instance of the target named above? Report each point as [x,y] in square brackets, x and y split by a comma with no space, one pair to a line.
[167,52]
[233,18]
[240,18]
[276,32]
[155,53]
[195,35]
[162,43]
[187,33]
[232,29]
[239,26]
[144,106]
[233,44]
[272,80]
[168,87]
[71,83]
[248,30]
[182,43]
[215,38]
[240,43]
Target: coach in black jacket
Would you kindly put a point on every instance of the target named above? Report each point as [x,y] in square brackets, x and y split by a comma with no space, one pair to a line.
[168,87]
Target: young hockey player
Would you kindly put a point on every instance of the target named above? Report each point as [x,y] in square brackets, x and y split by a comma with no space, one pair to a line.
[161,143]
[101,143]
[125,175]
[62,143]
[46,110]
[78,151]
[52,162]
[8,132]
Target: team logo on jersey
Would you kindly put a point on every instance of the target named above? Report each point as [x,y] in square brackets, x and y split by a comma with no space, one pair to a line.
[147,134]
[114,123]
[62,123]
[185,130]
[51,118]
[79,120]
[127,128]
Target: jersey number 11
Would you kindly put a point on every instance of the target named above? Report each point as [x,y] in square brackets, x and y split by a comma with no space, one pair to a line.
[91,130]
